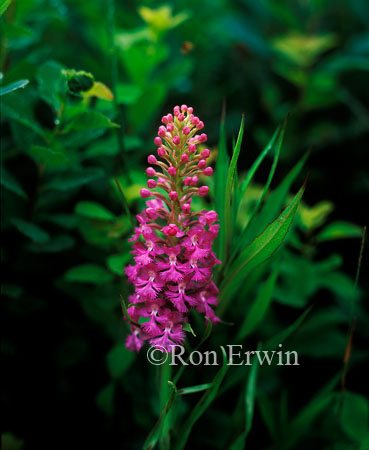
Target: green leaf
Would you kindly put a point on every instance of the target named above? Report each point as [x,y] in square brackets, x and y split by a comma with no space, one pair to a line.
[156,431]
[339,230]
[297,428]
[48,157]
[261,248]
[99,90]
[128,94]
[249,401]
[73,180]
[93,211]
[202,405]
[187,327]
[194,389]
[277,141]
[251,172]
[258,308]
[119,360]
[116,263]
[10,183]
[52,84]
[220,179]
[32,231]
[3,6]
[228,192]
[276,201]
[89,120]
[315,216]
[56,244]
[88,273]
[105,399]
[13,87]
[284,334]
[355,416]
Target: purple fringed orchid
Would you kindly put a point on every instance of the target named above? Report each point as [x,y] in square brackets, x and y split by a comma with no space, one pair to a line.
[172,246]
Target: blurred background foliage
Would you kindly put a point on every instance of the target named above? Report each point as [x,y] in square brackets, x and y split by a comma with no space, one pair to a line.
[83,87]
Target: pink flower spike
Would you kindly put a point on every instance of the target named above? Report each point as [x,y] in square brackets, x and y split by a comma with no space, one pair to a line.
[162,131]
[173,195]
[151,184]
[172,244]
[150,172]
[203,191]
[203,137]
[186,208]
[201,164]
[172,171]
[145,193]
[200,125]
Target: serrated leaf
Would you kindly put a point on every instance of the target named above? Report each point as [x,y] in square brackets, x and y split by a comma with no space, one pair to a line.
[88,273]
[93,210]
[13,87]
[32,231]
[339,230]
[10,183]
[261,248]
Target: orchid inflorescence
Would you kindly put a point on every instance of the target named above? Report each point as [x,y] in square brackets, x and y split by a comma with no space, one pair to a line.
[173,245]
